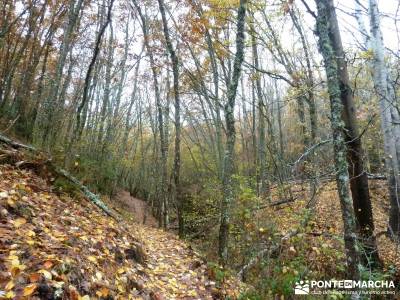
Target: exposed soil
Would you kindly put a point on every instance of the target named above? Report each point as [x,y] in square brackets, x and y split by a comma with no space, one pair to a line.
[137,207]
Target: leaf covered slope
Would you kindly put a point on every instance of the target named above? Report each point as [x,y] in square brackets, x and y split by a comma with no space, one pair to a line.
[57,247]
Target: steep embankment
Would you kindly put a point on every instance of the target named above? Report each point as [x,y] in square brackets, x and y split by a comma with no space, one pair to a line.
[53,246]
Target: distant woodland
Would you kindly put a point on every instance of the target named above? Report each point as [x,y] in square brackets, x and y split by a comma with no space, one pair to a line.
[266,133]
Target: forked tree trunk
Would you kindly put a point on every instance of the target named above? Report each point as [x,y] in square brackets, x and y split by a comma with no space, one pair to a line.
[325,24]
[355,153]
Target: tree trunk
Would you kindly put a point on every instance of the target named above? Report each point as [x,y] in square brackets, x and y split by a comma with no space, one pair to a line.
[389,116]
[161,127]
[227,184]
[326,25]
[80,122]
[51,102]
[355,154]
[107,91]
[177,157]
[261,151]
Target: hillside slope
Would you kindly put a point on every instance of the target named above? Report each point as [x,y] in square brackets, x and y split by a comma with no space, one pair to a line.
[53,246]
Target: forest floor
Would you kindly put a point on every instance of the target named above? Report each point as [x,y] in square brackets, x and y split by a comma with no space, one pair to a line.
[57,246]
[321,240]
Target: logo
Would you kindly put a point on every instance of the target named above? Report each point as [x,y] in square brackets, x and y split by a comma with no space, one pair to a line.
[302,288]
[347,287]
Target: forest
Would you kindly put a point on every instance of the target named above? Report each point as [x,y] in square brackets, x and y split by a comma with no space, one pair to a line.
[199,149]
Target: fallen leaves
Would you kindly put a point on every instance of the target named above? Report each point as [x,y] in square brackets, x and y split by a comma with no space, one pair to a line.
[55,245]
[10,295]
[46,274]
[92,259]
[48,264]
[29,289]
[9,286]
[19,222]
[34,277]
[103,292]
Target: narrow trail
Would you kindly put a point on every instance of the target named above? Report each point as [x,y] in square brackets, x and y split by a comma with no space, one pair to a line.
[173,266]
[54,244]
[137,207]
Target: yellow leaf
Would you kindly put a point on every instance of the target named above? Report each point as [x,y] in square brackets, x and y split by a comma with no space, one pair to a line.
[20,221]
[9,285]
[316,250]
[92,259]
[10,295]
[120,288]
[15,262]
[103,292]
[29,289]
[86,297]
[46,274]
[192,293]
[99,275]
[12,257]
[15,271]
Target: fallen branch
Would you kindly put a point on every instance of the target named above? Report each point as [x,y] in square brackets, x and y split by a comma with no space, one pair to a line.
[242,273]
[15,144]
[276,203]
[61,172]
[376,176]
[11,124]
[91,196]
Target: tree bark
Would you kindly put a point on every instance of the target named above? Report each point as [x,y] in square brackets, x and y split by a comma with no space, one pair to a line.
[261,151]
[107,91]
[326,25]
[389,116]
[79,122]
[51,101]
[355,152]
[177,157]
[227,184]
[161,127]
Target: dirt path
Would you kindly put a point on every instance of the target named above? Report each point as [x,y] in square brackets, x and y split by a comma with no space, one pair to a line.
[137,207]
[106,259]
[174,269]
